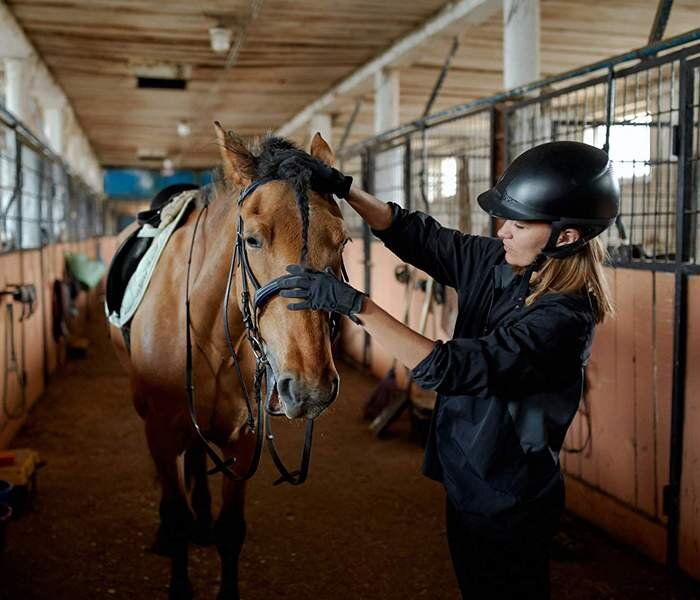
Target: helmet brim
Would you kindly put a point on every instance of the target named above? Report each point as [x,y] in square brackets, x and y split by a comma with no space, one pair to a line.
[503,207]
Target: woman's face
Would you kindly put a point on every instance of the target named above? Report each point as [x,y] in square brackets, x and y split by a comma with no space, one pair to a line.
[523,240]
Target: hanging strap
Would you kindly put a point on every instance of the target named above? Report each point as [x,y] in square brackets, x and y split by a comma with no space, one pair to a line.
[220,465]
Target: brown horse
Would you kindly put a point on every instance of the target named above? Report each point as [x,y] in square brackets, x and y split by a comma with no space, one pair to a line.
[297,344]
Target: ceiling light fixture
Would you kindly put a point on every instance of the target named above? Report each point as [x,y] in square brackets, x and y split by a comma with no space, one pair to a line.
[183,128]
[151,154]
[220,38]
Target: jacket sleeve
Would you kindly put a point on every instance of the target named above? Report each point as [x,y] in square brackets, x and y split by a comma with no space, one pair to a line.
[447,255]
[543,350]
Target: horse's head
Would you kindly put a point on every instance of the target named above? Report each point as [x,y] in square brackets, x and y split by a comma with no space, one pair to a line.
[285,222]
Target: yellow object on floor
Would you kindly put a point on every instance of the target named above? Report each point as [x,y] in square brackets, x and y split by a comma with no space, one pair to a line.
[25,465]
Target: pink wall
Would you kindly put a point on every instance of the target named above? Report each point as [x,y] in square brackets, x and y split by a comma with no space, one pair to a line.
[630,405]
[689,552]
[33,337]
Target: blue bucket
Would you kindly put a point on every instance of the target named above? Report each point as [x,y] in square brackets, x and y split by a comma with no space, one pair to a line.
[5,491]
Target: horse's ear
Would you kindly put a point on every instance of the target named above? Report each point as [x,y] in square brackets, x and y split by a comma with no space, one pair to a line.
[239,163]
[321,150]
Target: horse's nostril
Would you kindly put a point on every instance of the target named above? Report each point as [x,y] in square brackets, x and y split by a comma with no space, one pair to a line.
[284,388]
[334,389]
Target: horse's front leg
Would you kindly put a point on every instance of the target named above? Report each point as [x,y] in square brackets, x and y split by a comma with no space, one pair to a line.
[196,471]
[175,514]
[230,526]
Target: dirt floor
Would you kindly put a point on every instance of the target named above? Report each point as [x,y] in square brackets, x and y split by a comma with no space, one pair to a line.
[367,524]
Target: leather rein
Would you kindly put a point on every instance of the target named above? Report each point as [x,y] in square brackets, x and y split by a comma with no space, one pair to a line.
[251,306]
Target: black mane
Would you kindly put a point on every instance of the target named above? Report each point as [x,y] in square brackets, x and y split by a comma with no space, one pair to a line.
[271,152]
[272,159]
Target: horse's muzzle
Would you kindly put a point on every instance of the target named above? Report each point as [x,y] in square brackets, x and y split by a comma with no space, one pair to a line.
[301,400]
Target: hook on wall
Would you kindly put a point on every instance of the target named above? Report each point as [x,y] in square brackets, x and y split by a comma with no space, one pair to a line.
[25,294]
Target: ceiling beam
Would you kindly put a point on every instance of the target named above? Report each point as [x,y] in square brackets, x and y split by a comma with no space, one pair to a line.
[467,11]
[660,20]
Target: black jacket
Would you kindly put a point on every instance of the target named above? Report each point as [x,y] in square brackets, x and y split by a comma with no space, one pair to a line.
[510,380]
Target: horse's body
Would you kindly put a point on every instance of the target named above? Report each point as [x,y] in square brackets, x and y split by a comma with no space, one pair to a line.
[297,343]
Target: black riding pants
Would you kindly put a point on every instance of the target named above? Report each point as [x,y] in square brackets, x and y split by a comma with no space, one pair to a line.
[505,556]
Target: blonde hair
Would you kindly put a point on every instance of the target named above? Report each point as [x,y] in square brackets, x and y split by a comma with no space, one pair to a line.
[577,274]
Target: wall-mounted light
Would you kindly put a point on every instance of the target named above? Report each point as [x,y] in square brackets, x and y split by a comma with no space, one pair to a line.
[183,128]
[220,38]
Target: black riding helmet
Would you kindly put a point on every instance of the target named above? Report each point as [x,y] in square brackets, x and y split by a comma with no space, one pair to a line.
[569,184]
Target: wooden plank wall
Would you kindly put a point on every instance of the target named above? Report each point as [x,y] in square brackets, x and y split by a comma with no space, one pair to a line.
[689,551]
[625,466]
[617,482]
[41,268]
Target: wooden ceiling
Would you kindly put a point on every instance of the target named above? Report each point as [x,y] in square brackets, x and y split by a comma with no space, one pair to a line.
[294,51]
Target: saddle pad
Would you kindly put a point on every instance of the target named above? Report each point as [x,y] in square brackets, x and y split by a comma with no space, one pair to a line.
[138,284]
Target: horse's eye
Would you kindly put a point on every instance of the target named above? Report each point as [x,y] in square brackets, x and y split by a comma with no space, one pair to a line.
[253,242]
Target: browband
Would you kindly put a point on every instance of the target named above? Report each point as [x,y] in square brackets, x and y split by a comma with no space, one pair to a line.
[245,192]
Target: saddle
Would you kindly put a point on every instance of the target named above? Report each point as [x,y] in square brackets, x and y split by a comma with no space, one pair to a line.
[131,251]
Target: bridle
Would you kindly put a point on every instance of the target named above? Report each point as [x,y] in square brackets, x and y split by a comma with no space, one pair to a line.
[251,305]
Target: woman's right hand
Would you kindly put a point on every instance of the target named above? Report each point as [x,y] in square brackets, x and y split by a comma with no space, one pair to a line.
[324,179]
[327,180]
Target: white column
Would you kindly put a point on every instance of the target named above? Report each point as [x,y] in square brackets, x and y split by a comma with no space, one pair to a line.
[388,165]
[17,102]
[18,98]
[54,126]
[321,122]
[386,100]
[17,88]
[71,151]
[521,42]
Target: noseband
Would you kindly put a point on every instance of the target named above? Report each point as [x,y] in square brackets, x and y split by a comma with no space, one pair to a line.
[251,307]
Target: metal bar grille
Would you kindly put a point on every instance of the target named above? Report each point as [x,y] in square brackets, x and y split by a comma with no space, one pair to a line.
[635,110]
[450,165]
[40,201]
[642,132]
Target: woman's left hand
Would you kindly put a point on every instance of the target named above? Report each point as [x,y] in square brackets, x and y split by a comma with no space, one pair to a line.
[321,290]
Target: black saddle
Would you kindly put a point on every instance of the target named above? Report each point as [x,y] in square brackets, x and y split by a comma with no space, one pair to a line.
[132,249]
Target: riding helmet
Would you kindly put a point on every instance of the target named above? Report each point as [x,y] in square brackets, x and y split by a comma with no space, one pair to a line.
[568,184]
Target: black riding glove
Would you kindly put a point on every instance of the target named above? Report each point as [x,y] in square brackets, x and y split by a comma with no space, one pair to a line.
[324,179]
[320,290]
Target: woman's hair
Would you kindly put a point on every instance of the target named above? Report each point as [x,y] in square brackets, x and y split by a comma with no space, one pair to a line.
[577,274]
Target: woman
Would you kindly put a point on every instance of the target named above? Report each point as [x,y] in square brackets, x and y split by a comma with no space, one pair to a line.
[510,380]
